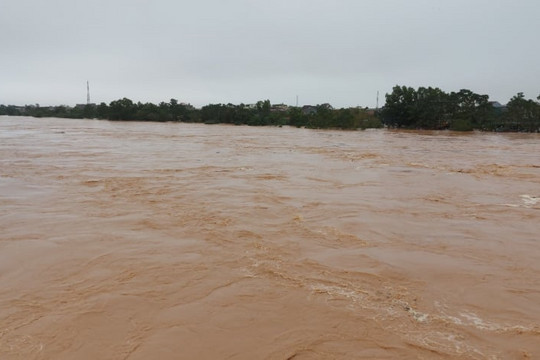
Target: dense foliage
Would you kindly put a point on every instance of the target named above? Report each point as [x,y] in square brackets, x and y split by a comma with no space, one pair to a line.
[432,108]
[259,114]
[422,108]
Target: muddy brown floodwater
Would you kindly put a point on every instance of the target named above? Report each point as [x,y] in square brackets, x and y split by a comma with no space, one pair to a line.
[129,240]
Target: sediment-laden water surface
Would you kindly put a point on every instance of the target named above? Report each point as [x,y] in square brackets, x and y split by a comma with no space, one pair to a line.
[125,240]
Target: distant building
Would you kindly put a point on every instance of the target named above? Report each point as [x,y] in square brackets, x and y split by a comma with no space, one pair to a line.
[497,106]
[82,106]
[279,108]
[309,109]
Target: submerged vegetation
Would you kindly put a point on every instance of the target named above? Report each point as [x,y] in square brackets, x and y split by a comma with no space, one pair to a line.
[260,114]
[405,107]
[432,108]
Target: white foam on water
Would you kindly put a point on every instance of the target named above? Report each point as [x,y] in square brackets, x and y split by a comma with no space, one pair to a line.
[529,200]
[473,319]
[478,322]
[337,291]
[512,205]
[417,315]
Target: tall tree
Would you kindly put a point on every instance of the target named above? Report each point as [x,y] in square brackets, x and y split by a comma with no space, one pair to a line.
[524,114]
[123,109]
[399,110]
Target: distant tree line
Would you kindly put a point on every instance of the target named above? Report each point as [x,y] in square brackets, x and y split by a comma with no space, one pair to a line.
[260,114]
[405,107]
[432,108]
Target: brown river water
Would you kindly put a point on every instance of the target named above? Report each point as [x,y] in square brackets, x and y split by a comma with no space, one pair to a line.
[130,240]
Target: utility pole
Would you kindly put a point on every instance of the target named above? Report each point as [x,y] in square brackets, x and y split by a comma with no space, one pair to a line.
[377,107]
[87,93]
[296,100]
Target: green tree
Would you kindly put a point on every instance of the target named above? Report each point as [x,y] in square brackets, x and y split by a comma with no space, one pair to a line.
[523,114]
[470,110]
[400,106]
[430,108]
[102,111]
[89,111]
[263,107]
[123,109]
[296,117]
[344,119]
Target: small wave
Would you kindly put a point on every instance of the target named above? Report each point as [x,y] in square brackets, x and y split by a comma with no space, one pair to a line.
[417,315]
[20,345]
[529,201]
[338,291]
[473,319]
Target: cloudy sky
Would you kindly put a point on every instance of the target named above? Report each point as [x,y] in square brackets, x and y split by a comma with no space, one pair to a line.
[240,51]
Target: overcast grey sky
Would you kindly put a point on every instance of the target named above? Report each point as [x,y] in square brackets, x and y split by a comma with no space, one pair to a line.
[240,51]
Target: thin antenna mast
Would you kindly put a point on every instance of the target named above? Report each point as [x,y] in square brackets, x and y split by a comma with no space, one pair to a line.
[377,100]
[87,93]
